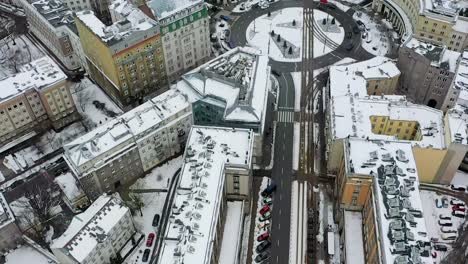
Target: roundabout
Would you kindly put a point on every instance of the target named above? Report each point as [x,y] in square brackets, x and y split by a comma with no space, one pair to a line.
[254,28]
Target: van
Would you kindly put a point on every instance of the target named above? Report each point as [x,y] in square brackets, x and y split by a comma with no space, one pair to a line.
[448,236]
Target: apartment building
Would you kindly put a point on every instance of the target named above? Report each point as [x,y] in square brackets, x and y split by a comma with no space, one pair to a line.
[436,21]
[217,167]
[232,90]
[10,234]
[427,72]
[126,58]
[97,235]
[185,34]
[51,21]
[124,149]
[33,100]
[352,113]
[387,195]
[78,5]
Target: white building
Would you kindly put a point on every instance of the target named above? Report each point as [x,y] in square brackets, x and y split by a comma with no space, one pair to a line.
[10,235]
[126,147]
[51,22]
[218,163]
[185,33]
[96,235]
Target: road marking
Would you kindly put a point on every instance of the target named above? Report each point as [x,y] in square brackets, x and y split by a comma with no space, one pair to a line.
[277,243]
[280,211]
[285,116]
[279,226]
[282,170]
[280,196]
[277,260]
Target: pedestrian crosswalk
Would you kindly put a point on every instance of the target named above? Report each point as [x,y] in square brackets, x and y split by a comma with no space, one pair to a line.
[285,116]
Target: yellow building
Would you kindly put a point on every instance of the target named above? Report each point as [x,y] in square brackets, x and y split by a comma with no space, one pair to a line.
[437,23]
[126,58]
[380,179]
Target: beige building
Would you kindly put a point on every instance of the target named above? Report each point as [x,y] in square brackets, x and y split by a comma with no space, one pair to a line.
[217,167]
[35,99]
[124,149]
[10,234]
[354,114]
[438,22]
[427,73]
[97,235]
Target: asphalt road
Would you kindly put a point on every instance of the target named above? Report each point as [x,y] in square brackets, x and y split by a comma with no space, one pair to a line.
[239,29]
[282,172]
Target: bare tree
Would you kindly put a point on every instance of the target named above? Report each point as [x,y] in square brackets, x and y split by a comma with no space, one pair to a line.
[37,209]
[136,201]
[14,53]
[82,96]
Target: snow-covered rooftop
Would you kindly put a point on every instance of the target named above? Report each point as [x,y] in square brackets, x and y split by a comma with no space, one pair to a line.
[438,55]
[55,12]
[238,80]
[89,228]
[441,7]
[125,127]
[6,216]
[37,74]
[131,20]
[353,237]
[397,202]
[165,8]
[193,221]
[350,116]
[351,107]
[69,186]
[352,78]
[458,115]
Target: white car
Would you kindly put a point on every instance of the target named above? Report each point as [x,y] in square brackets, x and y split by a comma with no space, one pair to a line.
[448,230]
[265,6]
[448,236]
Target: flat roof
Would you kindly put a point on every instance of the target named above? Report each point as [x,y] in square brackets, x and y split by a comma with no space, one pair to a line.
[125,127]
[55,12]
[441,7]
[165,8]
[40,73]
[193,221]
[237,80]
[353,237]
[397,202]
[91,227]
[438,55]
[458,116]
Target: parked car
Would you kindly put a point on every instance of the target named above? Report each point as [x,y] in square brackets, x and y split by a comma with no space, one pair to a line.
[445,223]
[262,256]
[225,18]
[150,240]
[456,202]
[444,217]
[349,47]
[146,254]
[446,229]
[264,209]
[156,220]
[267,201]
[263,236]
[459,214]
[440,247]
[262,246]
[437,203]
[448,236]
[269,189]
[458,208]
[265,217]
[460,188]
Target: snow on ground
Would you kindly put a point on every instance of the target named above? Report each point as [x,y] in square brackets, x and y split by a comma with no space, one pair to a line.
[355,2]
[159,177]
[16,53]
[340,5]
[373,39]
[321,214]
[93,104]
[260,227]
[460,178]
[68,184]
[431,217]
[25,255]
[297,90]
[153,204]
[297,134]
[232,233]
[258,33]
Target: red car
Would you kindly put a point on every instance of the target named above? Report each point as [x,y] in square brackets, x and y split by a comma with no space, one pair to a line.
[263,236]
[458,208]
[264,209]
[150,240]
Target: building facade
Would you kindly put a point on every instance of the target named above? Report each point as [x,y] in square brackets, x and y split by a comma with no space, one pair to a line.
[10,234]
[124,149]
[427,73]
[437,22]
[35,99]
[78,5]
[97,235]
[126,59]
[48,21]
